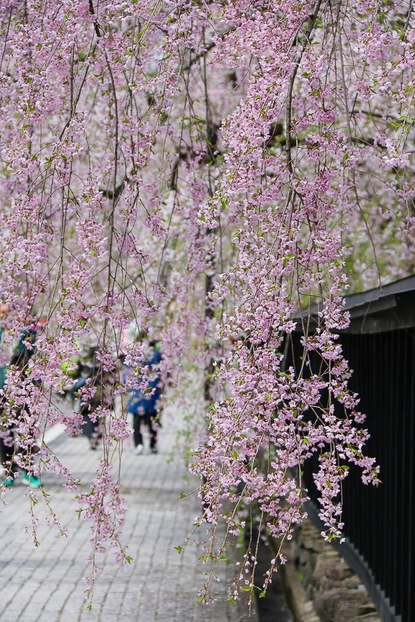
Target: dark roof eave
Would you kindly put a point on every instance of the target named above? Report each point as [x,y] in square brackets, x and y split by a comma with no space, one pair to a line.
[386,308]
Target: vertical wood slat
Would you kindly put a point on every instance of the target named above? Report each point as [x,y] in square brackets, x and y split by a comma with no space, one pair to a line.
[379,523]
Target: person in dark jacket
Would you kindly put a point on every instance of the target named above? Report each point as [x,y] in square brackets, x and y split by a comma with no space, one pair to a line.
[143,405]
[19,361]
[91,370]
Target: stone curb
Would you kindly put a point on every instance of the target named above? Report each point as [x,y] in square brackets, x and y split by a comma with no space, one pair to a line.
[302,608]
[319,584]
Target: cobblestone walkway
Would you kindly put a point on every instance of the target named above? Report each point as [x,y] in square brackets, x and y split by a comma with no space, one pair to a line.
[46,583]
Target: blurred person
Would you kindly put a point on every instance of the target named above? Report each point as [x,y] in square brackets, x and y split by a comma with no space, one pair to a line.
[90,369]
[143,405]
[4,310]
[10,420]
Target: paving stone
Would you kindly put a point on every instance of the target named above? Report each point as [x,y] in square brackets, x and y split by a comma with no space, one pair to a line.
[46,583]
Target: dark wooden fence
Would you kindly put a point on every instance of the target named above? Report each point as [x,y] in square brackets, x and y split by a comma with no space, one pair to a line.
[380,522]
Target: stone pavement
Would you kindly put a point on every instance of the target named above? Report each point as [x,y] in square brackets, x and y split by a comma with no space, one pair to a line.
[46,583]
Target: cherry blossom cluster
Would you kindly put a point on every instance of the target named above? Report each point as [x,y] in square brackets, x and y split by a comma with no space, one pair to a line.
[217,176]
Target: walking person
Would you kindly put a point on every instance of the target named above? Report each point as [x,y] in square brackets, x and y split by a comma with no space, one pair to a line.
[4,453]
[143,405]
[11,418]
[92,374]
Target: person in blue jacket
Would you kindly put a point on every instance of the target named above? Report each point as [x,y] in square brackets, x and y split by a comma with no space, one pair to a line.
[144,405]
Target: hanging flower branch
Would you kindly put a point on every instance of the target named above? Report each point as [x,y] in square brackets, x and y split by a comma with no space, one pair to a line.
[207,171]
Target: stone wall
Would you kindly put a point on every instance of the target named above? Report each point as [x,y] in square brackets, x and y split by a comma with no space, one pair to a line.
[320,586]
